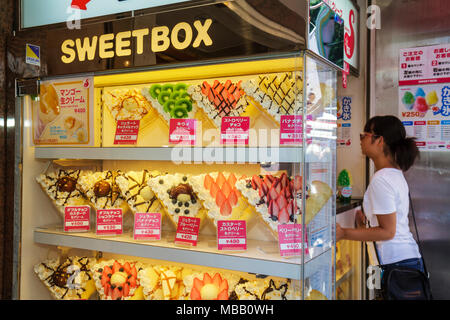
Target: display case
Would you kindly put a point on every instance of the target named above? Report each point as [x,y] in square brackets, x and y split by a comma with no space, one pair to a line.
[211,179]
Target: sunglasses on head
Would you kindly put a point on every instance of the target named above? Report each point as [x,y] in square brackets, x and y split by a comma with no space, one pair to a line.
[364,134]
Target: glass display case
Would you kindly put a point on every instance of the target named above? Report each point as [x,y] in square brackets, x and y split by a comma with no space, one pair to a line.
[206,180]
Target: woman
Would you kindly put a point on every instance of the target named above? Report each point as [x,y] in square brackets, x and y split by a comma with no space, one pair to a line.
[386,201]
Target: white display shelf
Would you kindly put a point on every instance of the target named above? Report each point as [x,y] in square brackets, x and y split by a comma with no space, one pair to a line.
[176,154]
[261,257]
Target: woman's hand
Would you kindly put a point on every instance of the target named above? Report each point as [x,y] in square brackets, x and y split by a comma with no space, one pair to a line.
[340,233]
[360,219]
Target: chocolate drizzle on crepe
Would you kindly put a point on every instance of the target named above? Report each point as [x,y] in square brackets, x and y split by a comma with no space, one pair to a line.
[140,185]
[108,188]
[64,186]
[60,277]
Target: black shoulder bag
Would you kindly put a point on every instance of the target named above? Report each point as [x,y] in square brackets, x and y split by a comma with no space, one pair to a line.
[403,283]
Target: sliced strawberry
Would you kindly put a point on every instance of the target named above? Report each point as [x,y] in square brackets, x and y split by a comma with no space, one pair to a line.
[133,272]
[116,294]
[105,279]
[232,179]
[208,182]
[214,189]
[195,294]
[223,295]
[287,192]
[290,207]
[223,285]
[254,186]
[271,178]
[207,278]
[264,188]
[274,209]
[297,183]
[217,280]
[273,193]
[107,289]
[243,177]
[106,270]
[116,267]
[226,189]
[132,282]
[127,267]
[284,180]
[284,216]
[226,209]
[278,187]
[228,84]
[198,284]
[220,198]
[126,289]
[220,179]
[233,198]
[257,180]
[281,201]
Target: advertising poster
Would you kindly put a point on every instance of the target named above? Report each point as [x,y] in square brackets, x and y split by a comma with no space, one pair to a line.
[344,125]
[63,113]
[424,95]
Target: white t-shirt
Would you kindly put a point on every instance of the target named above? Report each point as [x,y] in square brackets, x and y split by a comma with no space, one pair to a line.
[388,193]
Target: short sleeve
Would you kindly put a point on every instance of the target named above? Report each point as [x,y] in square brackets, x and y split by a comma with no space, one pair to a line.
[381,197]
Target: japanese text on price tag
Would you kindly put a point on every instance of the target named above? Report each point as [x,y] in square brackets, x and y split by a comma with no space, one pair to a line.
[147,226]
[76,218]
[109,222]
[187,231]
[231,235]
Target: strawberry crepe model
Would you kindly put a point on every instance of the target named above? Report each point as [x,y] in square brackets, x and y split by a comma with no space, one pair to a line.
[177,196]
[220,196]
[279,199]
[219,99]
[118,280]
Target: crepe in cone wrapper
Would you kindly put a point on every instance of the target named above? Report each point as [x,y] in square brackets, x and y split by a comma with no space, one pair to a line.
[129,104]
[70,279]
[210,286]
[219,99]
[163,282]
[178,197]
[118,280]
[102,190]
[220,196]
[61,187]
[266,289]
[135,189]
[277,94]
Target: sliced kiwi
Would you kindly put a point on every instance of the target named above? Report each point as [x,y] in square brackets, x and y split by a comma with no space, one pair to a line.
[178,112]
[185,95]
[168,87]
[155,90]
[163,97]
[185,103]
[169,105]
[180,87]
[175,95]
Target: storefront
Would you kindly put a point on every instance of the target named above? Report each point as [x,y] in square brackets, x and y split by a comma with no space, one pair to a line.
[189,152]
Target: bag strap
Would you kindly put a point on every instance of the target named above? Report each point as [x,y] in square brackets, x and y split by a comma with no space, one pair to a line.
[417,235]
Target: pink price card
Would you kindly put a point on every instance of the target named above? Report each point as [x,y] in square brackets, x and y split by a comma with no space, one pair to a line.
[291,129]
[290,240]
[76,218]
[187,231]
[235,130]
[183,131]
[127,132]
[109,222]
[231,235]
[147,226]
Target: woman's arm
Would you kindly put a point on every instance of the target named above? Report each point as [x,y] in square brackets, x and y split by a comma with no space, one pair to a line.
[385,231]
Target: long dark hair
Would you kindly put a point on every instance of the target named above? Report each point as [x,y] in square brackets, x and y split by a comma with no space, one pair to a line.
[402,149]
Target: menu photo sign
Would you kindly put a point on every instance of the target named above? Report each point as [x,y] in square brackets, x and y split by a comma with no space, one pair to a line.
[63,113]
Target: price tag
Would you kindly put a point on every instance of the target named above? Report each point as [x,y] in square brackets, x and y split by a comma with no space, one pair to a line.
[109,222]
[183,131]
[187,231]
[231,235]
[147,226]
[290,240]
[126,132]
[235,130]
[76,218]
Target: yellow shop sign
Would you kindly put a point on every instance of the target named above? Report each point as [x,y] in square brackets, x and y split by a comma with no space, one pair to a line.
[119,44]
